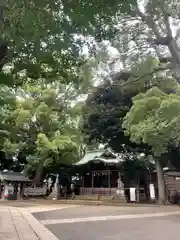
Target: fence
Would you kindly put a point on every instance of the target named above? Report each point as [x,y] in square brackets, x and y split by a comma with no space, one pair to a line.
[34,191]
[96,191]
[111,192]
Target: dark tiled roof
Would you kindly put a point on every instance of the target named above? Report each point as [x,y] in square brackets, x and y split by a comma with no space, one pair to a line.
[13,177]
[172,173]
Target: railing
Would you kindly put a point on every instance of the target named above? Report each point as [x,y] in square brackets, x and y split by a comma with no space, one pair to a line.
[96,191]
[105,192]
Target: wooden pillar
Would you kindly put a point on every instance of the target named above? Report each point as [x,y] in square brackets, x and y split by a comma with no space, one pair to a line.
[15,193]
[119,176]
[21,193]
[109,181]
[138,191]
[82,191]
[92,181]
[83,181]
[0,189]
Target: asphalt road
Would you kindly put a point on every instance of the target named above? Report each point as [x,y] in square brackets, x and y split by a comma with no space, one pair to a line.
[113,223]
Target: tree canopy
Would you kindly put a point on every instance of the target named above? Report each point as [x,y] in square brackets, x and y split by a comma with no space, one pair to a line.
[46,39]
[154,120]
[45,46]
[39,129]
[107,105]
[111,107]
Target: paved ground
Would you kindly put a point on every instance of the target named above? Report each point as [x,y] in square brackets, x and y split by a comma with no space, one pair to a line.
[142,229]
[17,222]
[112,223]
[34,221]
[13,226]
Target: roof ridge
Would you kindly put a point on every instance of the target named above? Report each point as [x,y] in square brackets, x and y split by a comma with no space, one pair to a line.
[95,150]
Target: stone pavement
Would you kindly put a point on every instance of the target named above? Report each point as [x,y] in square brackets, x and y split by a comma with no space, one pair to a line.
[24,221]
[19,224]
[13,226]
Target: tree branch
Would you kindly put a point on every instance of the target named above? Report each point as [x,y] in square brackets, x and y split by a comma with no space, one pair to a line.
[137,78]
[3,53]
[3,44]
[1,10]
[165,59]
[121,75]
[160,40]
[166,19]
[149,21]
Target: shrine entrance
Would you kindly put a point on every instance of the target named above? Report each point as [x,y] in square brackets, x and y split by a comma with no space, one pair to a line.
[102,182]
[108,175]
[99,173]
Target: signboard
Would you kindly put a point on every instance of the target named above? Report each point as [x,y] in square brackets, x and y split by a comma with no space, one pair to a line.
[132,194]
[152,191]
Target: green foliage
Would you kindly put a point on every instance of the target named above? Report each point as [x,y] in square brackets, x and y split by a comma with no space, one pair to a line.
[60,150]
[145,75]
[154,120]
[102,115]
[45,42]
[38,127]
[36,40]
[107,104]
[10,148]
[45,38]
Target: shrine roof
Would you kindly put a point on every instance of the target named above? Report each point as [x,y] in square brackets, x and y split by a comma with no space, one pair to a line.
[13,177]
[89,156]
[97,155]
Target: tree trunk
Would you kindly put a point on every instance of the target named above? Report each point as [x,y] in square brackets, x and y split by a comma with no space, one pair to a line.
[38,176]
[170,41]
[161,183]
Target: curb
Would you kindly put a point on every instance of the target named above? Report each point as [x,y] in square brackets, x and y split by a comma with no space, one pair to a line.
[42,232]
[106,203]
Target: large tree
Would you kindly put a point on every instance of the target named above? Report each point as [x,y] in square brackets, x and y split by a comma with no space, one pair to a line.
[108,103]
[144,28]
[41,131]
[154,120]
